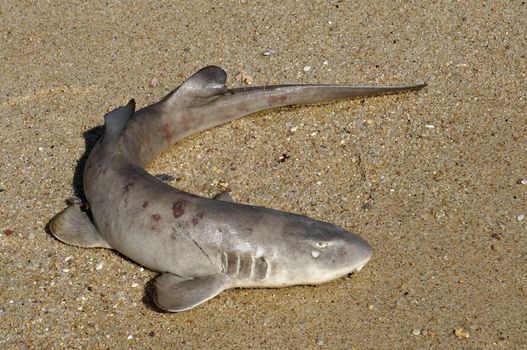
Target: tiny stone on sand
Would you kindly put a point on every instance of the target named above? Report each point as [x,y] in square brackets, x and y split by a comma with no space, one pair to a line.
[244,78]
[461,333]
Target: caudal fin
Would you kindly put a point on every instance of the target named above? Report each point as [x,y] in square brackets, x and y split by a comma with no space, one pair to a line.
[210,103]
[203,101]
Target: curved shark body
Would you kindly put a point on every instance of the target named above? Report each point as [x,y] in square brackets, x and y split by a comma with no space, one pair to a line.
[203,246]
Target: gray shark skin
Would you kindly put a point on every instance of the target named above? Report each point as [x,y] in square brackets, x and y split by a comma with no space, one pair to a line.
[203,246]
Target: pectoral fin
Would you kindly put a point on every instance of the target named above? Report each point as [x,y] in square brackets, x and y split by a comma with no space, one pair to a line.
[174,293]
[73,226]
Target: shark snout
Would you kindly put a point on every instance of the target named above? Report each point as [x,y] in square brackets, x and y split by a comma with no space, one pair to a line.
[362,253]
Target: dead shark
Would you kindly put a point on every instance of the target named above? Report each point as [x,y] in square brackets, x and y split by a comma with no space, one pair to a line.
[203,246]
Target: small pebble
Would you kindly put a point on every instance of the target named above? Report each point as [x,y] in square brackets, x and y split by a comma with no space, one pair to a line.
[320,341]
[244,78]
[68,258]
[522,181]
[130,337]
[520,217]
[461,333]
[153,83]
[283,158]
[165,177]
[41,149]
[307,68]
[430,126]
[416,331]
[268,53]
[135,285]
[99,266]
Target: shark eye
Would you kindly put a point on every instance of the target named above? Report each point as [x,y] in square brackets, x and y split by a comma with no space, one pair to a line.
[321,244]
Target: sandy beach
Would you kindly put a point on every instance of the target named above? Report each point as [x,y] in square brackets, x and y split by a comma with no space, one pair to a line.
[435,180]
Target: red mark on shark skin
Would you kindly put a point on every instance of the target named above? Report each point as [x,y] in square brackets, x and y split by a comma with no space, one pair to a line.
[167,132]
[127,187]
[145,204]
[195,219]
[156,217]
[275,100]
[178,208]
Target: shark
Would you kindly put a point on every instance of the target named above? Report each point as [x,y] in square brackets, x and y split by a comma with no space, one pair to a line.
[203,246]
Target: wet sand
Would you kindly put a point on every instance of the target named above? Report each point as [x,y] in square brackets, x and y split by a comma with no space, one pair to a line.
[432,179]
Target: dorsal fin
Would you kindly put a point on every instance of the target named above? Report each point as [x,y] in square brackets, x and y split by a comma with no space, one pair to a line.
[115,121]
[201,88]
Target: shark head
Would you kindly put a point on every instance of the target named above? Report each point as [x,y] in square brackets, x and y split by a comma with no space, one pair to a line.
[320,252]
